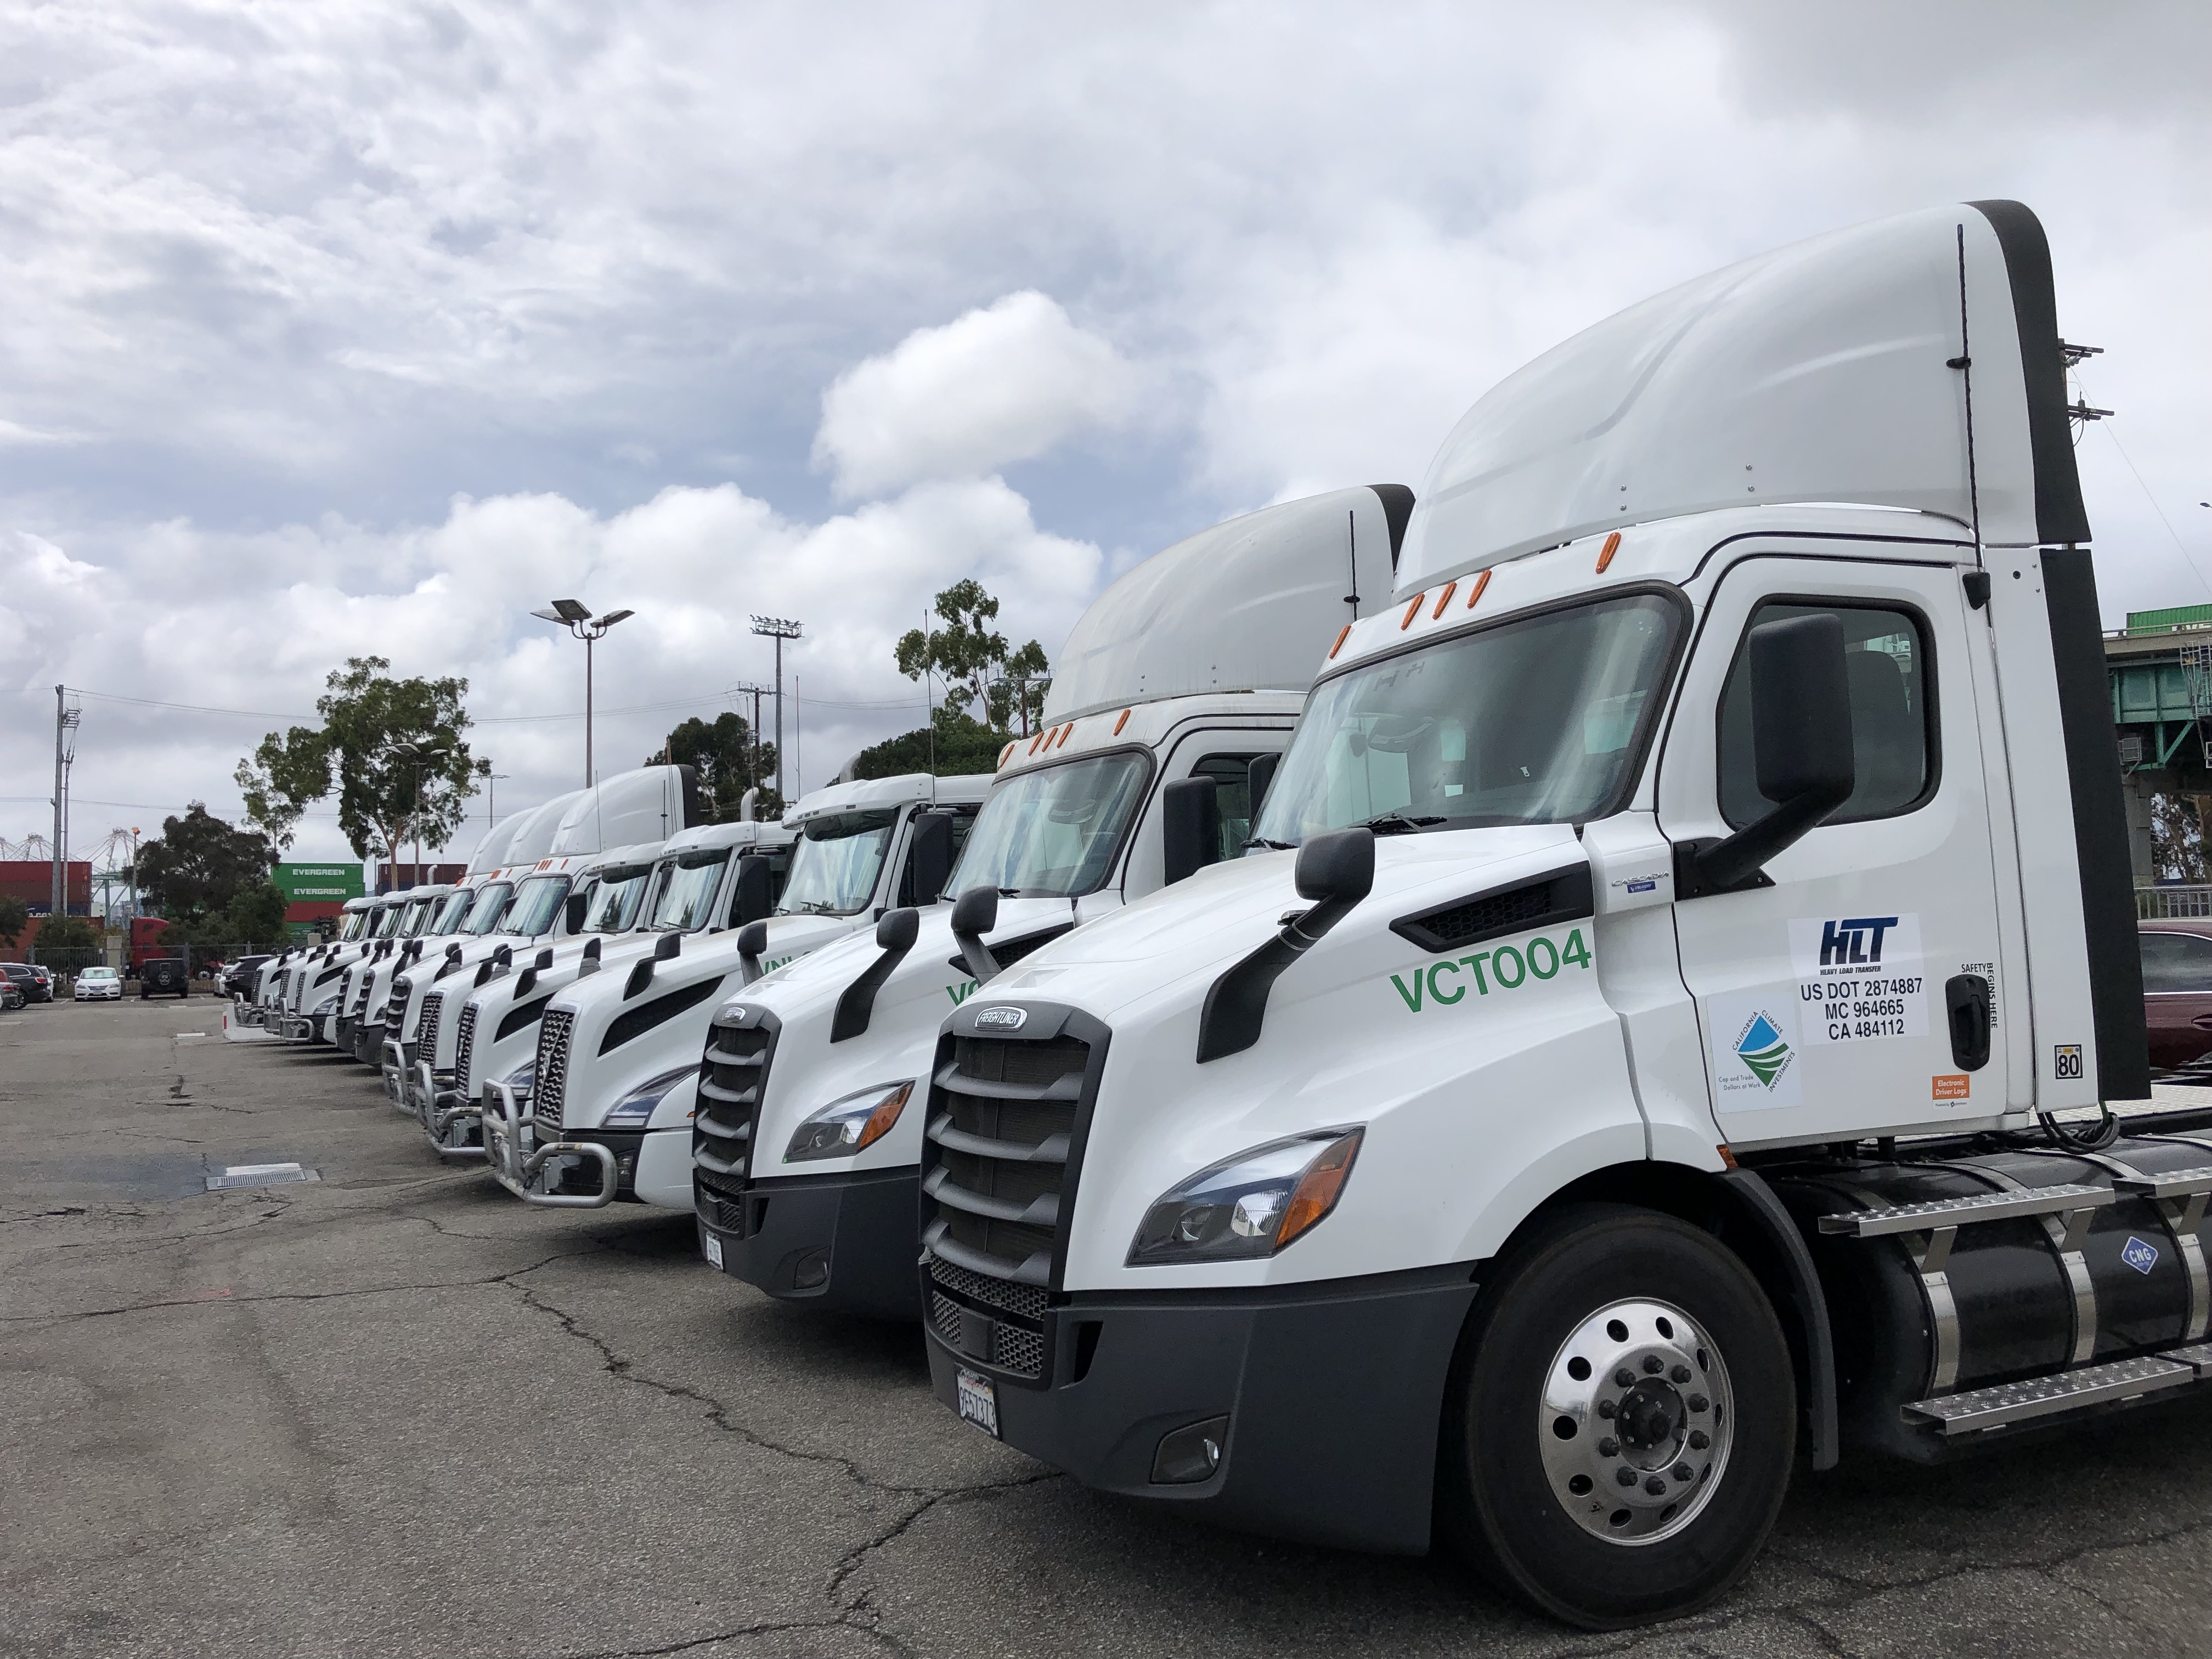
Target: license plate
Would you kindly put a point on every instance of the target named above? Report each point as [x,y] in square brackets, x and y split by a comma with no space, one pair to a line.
[712,1248]
[979,1402]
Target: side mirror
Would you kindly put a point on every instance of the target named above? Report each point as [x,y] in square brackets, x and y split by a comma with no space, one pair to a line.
[752,944]
[894,936]
[1336,871]
[572,920]
[1190,827]
[975,914]
[1261,775]
[1802,753]
[1338,868]
[929,861]
[751,902]
[898,930]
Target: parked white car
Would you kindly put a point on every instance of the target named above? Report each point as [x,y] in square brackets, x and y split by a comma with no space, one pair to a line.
[96,982]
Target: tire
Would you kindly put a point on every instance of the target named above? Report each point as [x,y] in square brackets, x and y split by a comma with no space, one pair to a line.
[1528,1491]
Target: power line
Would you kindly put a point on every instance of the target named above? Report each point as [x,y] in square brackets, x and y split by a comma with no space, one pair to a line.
[726,695]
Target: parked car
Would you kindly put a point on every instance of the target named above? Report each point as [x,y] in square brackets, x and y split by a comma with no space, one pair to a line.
[35,986]
[97,984]
[238,976]
[2177,973]
[163,975]
[11,995]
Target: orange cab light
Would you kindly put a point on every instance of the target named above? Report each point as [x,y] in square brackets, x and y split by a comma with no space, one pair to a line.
[1444,599]
[1008,751]
[1034,741]
[1318,1188]
[1481,581]
[1342,635]
[1605,554]
[880,1121]
[1119,724]
[1065,732]
[1411,611]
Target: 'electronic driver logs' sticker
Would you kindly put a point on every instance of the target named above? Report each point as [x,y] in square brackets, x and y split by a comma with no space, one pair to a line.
[1755,1052]
[1859,978]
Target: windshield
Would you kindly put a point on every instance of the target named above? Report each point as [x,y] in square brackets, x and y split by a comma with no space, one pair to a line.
[835,865]
[1530,722]
[536,901]
[1053,833]
[490,906]
[686,889]
[353,922]
[614,905]
[451,912]
[386,920]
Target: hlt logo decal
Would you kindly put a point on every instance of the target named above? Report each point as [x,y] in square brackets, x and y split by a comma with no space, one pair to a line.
[1854,941]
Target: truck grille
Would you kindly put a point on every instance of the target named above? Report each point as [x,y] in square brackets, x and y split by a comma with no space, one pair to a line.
[555,1034]
[427,1027]
[733,1078]
[395,1007]
[464,1039]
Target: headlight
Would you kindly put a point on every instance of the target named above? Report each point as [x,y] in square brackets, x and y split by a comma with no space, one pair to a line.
[631,1111]
[1252,1205]
[324,1007]
[523,1078]
[851,1124]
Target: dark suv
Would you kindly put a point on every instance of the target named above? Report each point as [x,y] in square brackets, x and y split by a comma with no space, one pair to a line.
[165,975]
[35,986]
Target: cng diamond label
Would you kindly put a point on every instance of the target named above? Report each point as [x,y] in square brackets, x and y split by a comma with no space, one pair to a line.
[2141,1257]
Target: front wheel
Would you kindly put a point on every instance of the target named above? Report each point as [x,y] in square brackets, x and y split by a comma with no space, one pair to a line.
[1620,1422]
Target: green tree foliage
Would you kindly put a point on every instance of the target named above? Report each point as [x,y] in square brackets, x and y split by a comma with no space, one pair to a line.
[972,660]
[15,917]
[66,934]
[199,866]
[951,745]
[394,750]
[728,761]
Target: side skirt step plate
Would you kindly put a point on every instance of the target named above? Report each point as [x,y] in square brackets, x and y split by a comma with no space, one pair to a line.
[2119,1382]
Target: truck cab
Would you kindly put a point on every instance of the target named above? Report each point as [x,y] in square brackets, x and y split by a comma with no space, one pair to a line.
[612,1085]
[1634,1052]
[1177,681]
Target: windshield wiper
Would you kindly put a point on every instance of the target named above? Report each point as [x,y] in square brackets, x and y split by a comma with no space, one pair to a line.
[1398,824]
[1272,846]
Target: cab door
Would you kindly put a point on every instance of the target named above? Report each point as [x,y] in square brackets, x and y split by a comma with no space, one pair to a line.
[1821,993]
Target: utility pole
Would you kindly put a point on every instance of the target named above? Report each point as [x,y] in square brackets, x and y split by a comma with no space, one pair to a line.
[778,629]
[65,721]
[491,797]
[752,748]
[59,868]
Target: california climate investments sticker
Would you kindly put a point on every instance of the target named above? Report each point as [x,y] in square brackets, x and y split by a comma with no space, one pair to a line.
[1859,977]
[1756,1057]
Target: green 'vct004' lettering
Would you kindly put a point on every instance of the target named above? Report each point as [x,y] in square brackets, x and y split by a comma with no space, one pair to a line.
[1507,968]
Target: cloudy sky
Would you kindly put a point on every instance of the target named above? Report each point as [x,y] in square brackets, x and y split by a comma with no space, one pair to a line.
[333,329]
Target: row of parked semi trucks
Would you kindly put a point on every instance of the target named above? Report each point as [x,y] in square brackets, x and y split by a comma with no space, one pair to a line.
[1619,1049]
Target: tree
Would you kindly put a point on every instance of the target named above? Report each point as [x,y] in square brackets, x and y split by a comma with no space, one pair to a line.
[15,917]
[67,933]
[2176,836]
[198,865]
[729,760]
[951,745]
[973,660]
[402,769]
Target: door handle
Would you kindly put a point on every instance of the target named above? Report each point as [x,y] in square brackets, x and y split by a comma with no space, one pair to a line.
[1966,1003]
[2202,1022]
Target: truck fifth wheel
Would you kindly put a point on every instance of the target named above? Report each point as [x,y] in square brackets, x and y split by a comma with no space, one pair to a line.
[1697,896]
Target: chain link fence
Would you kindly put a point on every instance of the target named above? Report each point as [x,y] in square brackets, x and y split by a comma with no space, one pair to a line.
[2173,903]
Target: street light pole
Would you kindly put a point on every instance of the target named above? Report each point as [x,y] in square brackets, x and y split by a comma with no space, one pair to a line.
[778,629]
[576,616]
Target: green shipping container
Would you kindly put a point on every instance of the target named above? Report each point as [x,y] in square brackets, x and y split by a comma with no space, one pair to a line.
[319,884]
[2178,616]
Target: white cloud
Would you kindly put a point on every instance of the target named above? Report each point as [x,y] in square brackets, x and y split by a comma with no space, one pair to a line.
[1005,383]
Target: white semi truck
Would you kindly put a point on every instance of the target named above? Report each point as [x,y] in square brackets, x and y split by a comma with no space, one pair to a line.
[1699,894]
[650,800]
[613,1082]
[1177,686]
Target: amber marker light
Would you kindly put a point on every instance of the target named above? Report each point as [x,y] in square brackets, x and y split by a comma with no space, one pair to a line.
[880,1121]
[1413,610]
[1474,592]
[1605,554]
[1319,1188]
[1034,741]
[1004,754]
[1444,599]
[1065,732]
[1342,635]
[1119,724]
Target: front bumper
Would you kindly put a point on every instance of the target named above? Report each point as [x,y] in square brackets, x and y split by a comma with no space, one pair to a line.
[367,1041]
[844,1241]
[394,1060]
[572,1170]
[455,1126]
[1331,1392]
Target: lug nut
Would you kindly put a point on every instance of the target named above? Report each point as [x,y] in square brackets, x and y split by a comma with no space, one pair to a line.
[1605,1409]
[1680,1471]
[1608,1447]
[1624,1378]
[1626,1477]
[1651,1363]
[1698,1402]
[1700,1440]
[1655,1486]
[1679,1374]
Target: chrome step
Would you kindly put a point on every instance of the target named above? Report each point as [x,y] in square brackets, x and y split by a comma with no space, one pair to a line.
[1961,1211]
[2047,1396]
[2197,1354]
[2173,1183]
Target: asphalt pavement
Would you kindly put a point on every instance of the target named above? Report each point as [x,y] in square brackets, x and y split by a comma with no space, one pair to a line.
[392,1411]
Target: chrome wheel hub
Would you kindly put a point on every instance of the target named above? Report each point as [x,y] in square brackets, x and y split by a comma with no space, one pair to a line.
[1635,1422]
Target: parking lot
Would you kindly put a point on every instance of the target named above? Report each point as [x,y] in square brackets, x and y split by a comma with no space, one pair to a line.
[393,1411]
